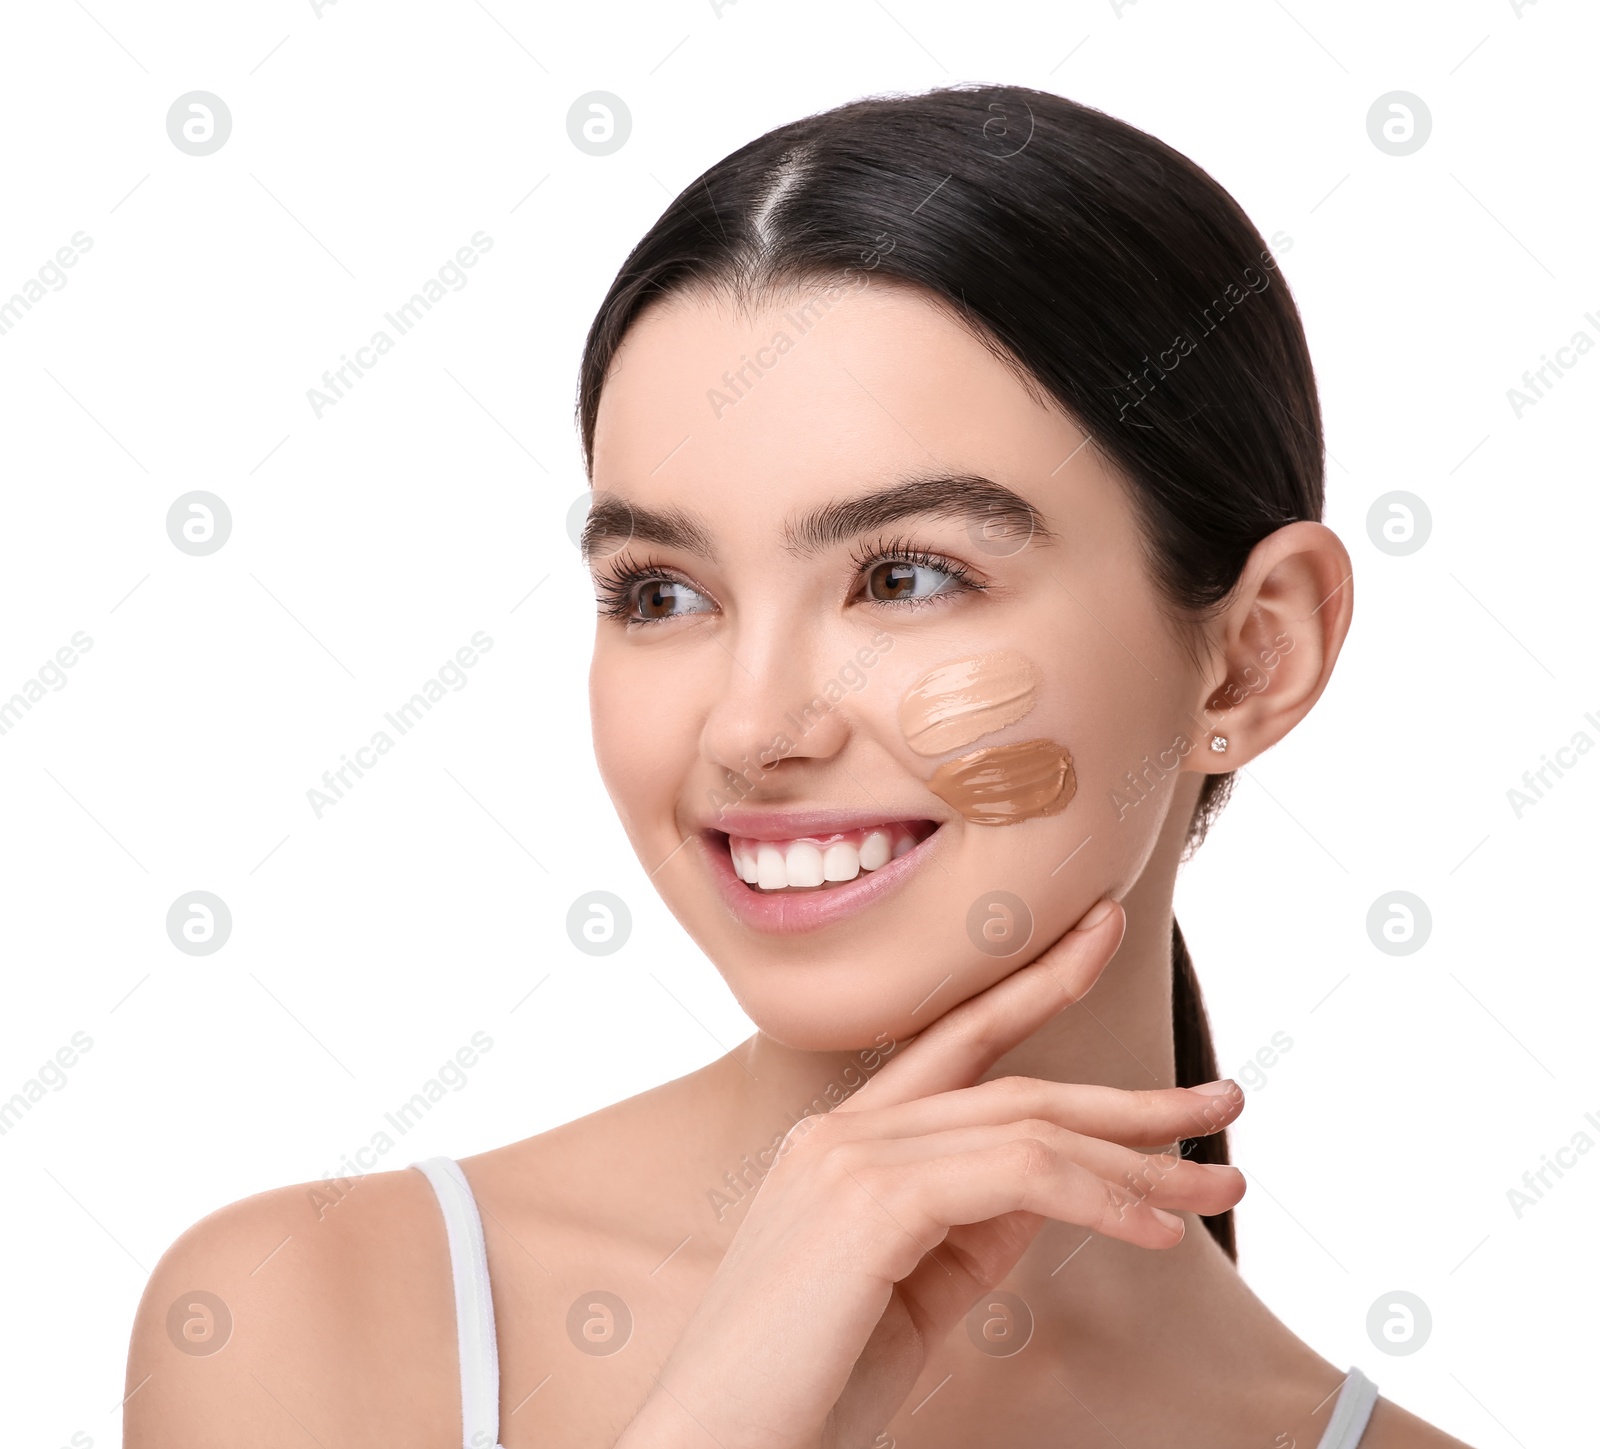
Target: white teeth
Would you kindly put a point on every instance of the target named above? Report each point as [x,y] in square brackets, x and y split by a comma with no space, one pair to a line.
[811,864]
[803,864]
[770,872]
[841,861]
[875,851]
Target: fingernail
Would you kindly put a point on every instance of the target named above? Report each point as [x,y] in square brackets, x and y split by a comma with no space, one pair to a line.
[1096,915]
[1226,1086]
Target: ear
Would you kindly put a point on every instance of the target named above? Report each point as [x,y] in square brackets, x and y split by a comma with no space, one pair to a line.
[1272,647]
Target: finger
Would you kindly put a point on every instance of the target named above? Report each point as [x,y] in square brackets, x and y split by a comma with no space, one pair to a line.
[920,1201]
[973,1259]
[1163,1179]
[1143,1119]
[937,1293]
[970,1038]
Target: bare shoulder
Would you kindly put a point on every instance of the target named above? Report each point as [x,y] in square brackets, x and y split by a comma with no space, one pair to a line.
[321,1313]
[1392,1427]
[307,1310]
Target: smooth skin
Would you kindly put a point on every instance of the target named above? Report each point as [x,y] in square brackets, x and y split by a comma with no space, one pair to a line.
[1013,1138]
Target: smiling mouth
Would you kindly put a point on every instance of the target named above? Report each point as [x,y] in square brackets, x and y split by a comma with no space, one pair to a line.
[815,863]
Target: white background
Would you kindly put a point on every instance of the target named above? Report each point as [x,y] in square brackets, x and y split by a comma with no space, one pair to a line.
[372,141]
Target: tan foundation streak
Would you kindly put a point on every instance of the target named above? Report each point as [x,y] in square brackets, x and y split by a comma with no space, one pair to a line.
[1006,784]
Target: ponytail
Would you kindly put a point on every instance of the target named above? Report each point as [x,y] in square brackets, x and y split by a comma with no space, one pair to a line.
[1197,1063]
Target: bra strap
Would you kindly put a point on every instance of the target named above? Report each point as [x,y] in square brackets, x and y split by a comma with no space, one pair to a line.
[475,1336]
[1350,1413]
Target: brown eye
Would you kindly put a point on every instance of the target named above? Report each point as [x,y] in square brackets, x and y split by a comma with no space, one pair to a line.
[666,599]
[896,579]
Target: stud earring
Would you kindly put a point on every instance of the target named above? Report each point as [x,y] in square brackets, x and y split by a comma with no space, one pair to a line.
[1219,743]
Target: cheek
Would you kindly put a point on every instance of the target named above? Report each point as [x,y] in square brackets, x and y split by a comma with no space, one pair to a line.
[1119,728]
[981,697]
[1058,865]
[1040,746]
[1008,738]
[640,749]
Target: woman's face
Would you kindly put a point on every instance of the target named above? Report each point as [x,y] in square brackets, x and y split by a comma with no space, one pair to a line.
[842,551]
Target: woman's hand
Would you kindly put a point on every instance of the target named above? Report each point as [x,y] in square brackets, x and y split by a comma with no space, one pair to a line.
[883,1221]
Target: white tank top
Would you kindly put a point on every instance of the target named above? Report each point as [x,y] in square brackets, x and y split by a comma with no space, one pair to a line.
[480,1355]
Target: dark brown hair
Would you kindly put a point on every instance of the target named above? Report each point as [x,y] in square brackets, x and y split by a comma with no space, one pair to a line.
[1109,271]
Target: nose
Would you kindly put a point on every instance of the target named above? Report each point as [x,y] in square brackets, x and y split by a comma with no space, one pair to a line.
[779,703]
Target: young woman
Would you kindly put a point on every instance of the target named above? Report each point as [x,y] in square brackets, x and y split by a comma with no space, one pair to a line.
[957,470]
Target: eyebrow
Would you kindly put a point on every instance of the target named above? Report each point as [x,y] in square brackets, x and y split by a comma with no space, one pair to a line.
[617,523]
[968,496]
[960,496]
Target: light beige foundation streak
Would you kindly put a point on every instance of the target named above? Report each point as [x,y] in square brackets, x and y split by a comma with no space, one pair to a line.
[961,701]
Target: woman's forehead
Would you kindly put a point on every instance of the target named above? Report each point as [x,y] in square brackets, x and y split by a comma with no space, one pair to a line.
[815,397]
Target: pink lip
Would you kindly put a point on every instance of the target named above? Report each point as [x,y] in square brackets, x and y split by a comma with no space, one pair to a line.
[802,824]
[786,913]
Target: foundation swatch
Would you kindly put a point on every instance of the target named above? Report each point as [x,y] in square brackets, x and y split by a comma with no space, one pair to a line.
[965,699]
[1006,784]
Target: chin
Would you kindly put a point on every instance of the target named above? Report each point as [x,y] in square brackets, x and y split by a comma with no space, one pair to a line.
[841,965]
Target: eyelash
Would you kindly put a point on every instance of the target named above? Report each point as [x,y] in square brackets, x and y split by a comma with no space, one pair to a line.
[898,549]
[615,596]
